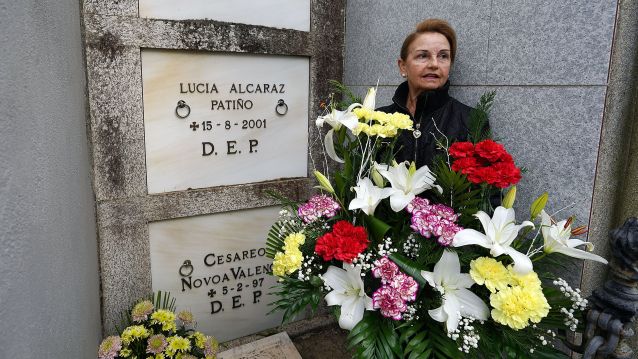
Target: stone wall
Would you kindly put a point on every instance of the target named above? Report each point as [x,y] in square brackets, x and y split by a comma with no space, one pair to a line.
[547,61]
[49,289]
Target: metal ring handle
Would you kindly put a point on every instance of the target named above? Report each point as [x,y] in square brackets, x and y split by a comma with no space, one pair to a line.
[281,108]
[186,269]
[180,105]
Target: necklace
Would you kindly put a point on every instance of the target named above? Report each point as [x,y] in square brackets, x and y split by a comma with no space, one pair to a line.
[417,133]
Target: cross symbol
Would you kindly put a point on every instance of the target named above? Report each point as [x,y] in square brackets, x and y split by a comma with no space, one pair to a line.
[194,126]
[211,293]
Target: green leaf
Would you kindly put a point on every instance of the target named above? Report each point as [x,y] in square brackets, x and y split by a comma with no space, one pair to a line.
[374,337]
[479,118]
[409,267]
[295,296]
[377,227]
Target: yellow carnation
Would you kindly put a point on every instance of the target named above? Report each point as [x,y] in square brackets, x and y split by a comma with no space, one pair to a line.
[516,306]
[529,280]
[290,260]
[400,120]
[363,113]
[490,272]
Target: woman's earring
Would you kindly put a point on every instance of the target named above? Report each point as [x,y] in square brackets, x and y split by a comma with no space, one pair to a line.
[402,75]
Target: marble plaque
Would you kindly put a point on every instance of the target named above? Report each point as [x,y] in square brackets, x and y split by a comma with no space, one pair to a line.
[278,346]
[243,119]
[288,14]
[215,266]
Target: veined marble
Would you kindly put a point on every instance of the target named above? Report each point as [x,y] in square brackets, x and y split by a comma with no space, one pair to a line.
[233,134]
[226,287]
[288,14]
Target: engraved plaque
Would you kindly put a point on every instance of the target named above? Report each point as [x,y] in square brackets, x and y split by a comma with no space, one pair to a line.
[213,119]
[289,14]
[225,283]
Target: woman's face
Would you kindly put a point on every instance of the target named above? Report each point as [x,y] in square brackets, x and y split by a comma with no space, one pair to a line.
[427,65]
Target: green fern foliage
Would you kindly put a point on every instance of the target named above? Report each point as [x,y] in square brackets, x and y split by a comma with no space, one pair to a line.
[374,338]
[479,118]
[458,192]
[296,295]
[426,339]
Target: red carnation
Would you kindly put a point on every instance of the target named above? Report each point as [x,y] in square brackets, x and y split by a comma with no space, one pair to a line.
[462,149]
[466,163]
[344,243]
[508,174]
[492,151]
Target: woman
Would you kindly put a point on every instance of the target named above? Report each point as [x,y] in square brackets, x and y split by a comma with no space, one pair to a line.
[427,56]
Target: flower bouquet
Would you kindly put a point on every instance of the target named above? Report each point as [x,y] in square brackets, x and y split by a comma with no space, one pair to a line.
[416,262]
[153,330]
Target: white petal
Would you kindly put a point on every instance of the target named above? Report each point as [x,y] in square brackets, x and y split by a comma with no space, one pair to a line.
[452,307]
[330,147]
[522,263]
[464,280]
[351,313]
[577,253]
[350,120]
[472,304]
[502,216]
[429,277]
[336,278]
[471,236]
[484,218]
[447,268]
[438,314]
[336,298]
[399,200]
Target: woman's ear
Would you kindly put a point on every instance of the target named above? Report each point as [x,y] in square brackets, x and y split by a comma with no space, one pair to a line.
[401,65]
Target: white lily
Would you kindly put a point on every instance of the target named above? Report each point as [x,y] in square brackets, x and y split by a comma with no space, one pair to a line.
[347,291]
[406,182]
[457,299]
[500,232]
[557,240]
[368,196]
[336,119]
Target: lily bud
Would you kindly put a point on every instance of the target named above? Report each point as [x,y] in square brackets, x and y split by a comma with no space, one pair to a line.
[510,197]
[538,205]
[378,180]
[370,100]
[324,183]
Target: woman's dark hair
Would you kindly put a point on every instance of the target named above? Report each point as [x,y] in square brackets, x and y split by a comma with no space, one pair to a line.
[431,25]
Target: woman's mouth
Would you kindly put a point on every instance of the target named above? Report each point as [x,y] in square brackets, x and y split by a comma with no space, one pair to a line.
[431,77]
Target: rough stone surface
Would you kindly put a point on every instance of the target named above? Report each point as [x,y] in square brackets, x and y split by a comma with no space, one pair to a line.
[113,38]
[49,288]
[614,153]
[550,42]
[373,45]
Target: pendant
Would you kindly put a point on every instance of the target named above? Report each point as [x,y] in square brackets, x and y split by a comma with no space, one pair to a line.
[416,133]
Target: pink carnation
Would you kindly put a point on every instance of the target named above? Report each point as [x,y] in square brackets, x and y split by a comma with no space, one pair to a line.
[390,302]
[436,220]
[406,286]
[316,207]
[385,269]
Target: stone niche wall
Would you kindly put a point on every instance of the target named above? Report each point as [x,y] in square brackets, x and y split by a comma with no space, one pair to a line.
[136,218]
[548,63]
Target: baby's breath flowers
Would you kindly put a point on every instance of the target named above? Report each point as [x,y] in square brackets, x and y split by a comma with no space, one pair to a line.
[465,334]
[578,303]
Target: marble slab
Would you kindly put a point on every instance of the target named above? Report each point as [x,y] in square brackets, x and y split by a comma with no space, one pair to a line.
[231,133]
[278,346]
[288,14]
[226,284]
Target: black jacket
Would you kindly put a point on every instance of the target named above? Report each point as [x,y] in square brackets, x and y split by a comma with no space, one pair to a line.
[436,106]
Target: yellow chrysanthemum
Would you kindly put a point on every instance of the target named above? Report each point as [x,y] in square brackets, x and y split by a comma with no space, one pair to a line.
[177,344]
[200,339]
[164,317]
[516,306]
[490,272]
[529,280]
[125,353]
[134,332]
